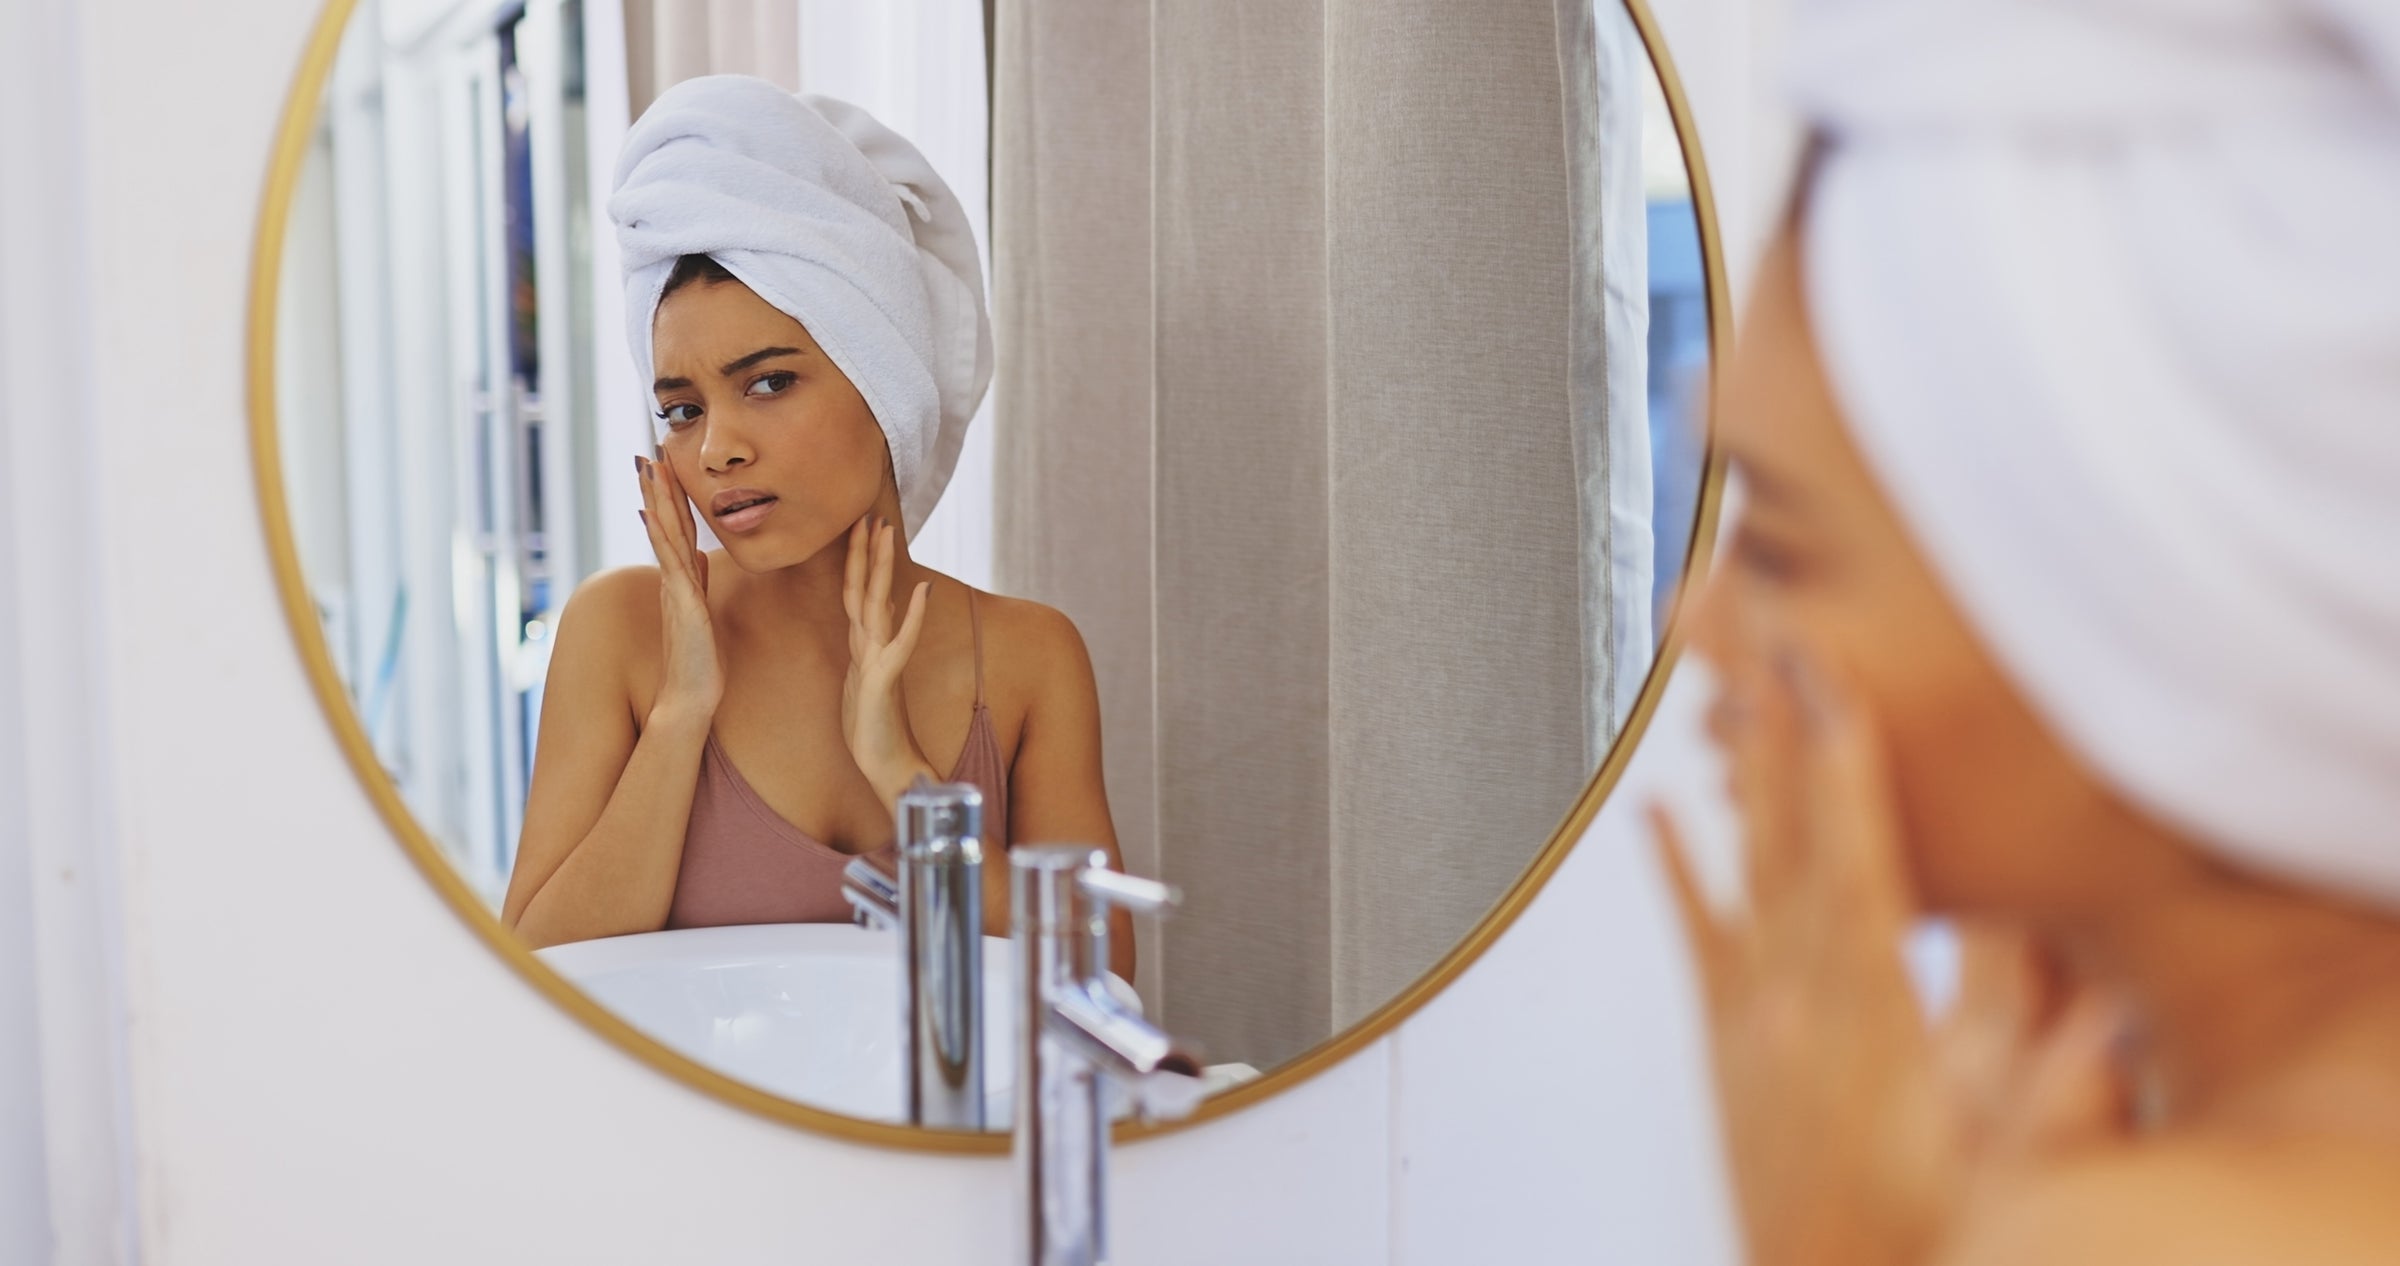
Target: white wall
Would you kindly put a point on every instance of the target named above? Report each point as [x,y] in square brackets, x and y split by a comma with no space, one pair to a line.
[24,1170]
[322,1065]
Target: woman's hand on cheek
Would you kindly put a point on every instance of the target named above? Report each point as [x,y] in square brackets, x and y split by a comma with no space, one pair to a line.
[874,713]
[1855,1129]
[693,679]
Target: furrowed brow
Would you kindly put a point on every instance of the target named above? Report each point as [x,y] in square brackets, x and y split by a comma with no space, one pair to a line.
[764,353]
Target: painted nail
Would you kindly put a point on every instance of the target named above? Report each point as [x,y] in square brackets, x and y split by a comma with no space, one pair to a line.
[641,465]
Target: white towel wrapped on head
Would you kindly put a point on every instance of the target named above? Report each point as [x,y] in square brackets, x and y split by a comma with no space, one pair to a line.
[2109,292]
[836,221]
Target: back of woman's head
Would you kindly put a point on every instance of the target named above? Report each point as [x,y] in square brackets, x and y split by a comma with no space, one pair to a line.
[2121,343]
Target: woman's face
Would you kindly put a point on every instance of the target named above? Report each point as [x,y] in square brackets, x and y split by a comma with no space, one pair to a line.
[778,451]
[1996,814]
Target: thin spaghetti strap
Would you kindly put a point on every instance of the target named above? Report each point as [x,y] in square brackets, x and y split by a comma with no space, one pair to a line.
[975,622]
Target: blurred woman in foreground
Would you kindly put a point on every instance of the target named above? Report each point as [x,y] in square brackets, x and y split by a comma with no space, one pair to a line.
[2065,602]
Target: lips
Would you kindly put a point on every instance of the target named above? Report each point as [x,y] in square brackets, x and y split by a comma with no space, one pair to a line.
[740,509]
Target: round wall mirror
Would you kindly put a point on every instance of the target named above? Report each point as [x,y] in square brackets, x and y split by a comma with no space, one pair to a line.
[1315,548]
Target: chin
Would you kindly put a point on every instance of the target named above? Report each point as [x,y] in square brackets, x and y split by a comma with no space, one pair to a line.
[2000,874]
[766,551]
[750,554]
[1955,865]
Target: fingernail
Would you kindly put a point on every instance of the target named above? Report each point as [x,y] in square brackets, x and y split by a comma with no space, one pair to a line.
[640,465]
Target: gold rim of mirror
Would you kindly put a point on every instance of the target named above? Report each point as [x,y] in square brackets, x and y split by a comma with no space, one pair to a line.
[291,145]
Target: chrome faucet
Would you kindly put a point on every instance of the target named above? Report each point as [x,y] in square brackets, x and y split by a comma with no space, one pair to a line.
[1076,1042]
[936,905]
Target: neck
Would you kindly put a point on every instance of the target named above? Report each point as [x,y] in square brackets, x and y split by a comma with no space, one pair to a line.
[811,589]
[2239,983]
[812,586]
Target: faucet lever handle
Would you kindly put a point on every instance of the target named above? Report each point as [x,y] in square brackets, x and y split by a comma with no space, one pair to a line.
[874,897]
[1108,889]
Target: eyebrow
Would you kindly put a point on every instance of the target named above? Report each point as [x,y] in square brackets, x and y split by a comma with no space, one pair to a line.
[765,353]
[730,369]
[1763,486]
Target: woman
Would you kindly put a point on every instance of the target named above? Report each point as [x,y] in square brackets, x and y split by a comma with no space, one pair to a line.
[723,731]
[2063,604]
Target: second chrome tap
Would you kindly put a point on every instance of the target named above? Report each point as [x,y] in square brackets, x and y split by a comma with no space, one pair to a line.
[1076,1042]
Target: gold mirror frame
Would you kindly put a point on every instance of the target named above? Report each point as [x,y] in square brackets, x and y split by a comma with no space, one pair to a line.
[291,145]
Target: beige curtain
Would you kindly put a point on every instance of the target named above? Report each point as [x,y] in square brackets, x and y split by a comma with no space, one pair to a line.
[1071,303]
[668,41]
[1285,292]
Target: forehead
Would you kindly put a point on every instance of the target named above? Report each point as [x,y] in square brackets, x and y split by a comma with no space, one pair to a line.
[708,319]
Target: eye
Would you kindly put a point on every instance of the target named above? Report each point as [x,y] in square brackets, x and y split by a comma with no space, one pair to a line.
[773,384]
[679,416]
[1761,557]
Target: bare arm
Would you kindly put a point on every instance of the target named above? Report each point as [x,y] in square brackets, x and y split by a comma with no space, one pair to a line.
[1055,789]
[606,815]
[1056,792]
[2281,1199]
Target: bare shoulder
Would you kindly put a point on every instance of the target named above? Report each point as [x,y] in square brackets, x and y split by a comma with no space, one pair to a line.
[619,596]
[611,620]
[1031,649]
[2307,1202]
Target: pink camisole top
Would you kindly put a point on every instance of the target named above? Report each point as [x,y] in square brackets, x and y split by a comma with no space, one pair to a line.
[743,863]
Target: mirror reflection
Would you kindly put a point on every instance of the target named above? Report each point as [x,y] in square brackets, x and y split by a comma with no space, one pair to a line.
[701,425]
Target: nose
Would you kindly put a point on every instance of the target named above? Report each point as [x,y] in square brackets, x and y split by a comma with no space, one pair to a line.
[723,445]
[1710,618]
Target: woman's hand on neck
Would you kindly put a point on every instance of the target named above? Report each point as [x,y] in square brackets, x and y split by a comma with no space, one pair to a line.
[2242,988]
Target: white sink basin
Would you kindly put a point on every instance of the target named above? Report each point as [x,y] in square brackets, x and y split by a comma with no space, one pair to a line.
[809,1011]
